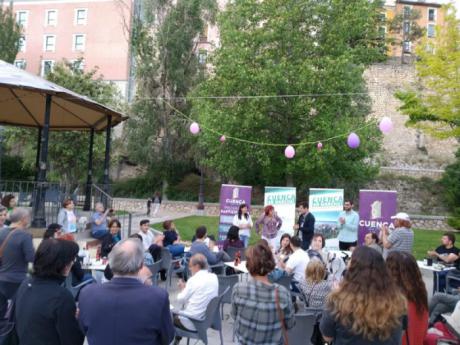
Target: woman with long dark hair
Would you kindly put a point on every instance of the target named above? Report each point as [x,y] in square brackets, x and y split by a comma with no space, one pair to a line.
[233,239]
[367,307]
[405,273]
[244,222]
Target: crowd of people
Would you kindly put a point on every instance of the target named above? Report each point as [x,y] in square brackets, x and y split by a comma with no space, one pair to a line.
[374,294]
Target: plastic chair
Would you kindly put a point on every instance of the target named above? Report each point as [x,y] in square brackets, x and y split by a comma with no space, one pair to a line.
[301,333]
[285,281]
[226,282]
[75,290]
[211,320]
[231,251]
[218,269]
[451,278]
[179,265]
[155,268]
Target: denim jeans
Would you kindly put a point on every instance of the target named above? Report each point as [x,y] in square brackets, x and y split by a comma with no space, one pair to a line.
[245,240]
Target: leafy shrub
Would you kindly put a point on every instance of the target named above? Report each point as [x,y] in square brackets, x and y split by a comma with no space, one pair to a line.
[451,183]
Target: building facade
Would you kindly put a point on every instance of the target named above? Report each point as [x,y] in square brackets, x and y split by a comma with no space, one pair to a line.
[91,33]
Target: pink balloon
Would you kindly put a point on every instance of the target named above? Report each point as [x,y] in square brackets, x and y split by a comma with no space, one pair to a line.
[386,125]
[289,152]
[353,141]
[319,146]
[222,138]
[194,128]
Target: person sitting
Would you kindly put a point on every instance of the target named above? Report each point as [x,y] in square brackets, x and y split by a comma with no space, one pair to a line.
[317,245]
[405,273]
[401,238]
[348,317]
[137,314]
[54,230]
[315,288]
[45,311]
[99,222]
[200,247]
[109,241]
[233,239]
[261,309]
[297,263]
[196,294]
[442,303]
[172,239]
[372,241]
[16,251]
[281,255]
[151,243]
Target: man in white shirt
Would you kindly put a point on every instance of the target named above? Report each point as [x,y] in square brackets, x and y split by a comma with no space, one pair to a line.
[196,293]
[297,262]
[147,235]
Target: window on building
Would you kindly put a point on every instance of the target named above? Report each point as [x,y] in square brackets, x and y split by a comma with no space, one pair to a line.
[407,11]
[432,14]
[81,15]
[47,67]
[49,43]
[202,57]
[406,27]
[22,44]
[20,64]
[78,65]
[431,30]
[21,18]
[51,18]
[79,42]
[407,47]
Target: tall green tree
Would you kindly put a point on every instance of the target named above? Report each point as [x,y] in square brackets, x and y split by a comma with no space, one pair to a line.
[287,47]
[68,151]
[10,34]
[165,40]
[434,105]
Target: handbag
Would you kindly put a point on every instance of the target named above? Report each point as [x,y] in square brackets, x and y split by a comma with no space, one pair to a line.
[8,335]
[281,318]
[316,337]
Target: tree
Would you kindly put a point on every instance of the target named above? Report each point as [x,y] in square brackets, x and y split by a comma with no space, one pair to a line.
[68,151]
[434,105]
[287,47]
[10,34]
[164,43]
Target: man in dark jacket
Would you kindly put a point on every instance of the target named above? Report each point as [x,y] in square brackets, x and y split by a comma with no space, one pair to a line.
[125,311]
[305,225]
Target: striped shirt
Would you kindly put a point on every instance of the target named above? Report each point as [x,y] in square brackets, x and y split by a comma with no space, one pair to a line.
[402,240]
[255,313]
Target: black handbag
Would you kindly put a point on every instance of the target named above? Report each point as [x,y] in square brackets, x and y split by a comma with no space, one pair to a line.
[8,335]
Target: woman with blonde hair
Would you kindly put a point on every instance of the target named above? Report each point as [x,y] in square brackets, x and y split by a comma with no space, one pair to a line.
[314,288]
[367,307]
[405,272]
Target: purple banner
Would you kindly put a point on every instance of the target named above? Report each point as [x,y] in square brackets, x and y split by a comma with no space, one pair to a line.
[231,197]
[375,209]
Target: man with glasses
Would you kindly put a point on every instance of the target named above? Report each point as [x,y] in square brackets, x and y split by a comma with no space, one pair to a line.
[199,290]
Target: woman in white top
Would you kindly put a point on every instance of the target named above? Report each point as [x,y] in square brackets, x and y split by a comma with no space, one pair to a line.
[244,222]
[67,218]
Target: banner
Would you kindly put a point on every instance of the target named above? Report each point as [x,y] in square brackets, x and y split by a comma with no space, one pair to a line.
[326,205]
[375,209]
[283,199]
[231,197]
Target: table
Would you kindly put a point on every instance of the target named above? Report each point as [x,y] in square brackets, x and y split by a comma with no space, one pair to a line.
[241,267]
[435,268]
[215,249]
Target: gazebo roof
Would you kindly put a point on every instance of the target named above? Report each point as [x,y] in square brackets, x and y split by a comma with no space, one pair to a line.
[23,98]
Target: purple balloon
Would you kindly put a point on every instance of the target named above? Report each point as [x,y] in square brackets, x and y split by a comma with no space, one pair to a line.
[289,152]
[386,125]
[353,141]
[194,128]
[222,138]
[319,146]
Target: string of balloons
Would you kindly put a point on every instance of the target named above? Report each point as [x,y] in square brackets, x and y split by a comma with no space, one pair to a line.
[353,141]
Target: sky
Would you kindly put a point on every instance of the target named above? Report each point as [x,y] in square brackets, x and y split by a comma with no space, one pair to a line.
[457,4]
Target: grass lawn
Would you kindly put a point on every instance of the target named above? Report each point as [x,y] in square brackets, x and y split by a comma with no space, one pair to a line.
[424,239]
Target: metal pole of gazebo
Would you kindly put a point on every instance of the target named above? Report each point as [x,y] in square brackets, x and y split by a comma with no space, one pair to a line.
[105,182]
[39,217]
[89,178]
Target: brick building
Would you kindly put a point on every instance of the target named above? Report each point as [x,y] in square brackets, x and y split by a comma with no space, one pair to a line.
[96,31]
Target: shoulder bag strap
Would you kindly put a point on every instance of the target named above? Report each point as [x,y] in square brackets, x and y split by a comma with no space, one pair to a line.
[309,296]
[281,317]
[2,247]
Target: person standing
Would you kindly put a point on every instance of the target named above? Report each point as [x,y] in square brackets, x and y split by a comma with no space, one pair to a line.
[244,222]
[156,201]
[45,310]
[348,226]
[404,270]
[271,224]
[16,251]
[258,305]
[125,310]
[67,218]
[401,238]
[305,225]
[367,308]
